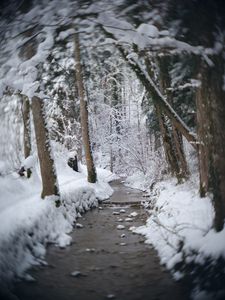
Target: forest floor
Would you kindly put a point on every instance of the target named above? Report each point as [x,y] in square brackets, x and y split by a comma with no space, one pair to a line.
[104,261]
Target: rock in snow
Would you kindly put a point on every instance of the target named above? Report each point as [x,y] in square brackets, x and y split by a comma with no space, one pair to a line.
[132,228]
[123,244]
[75,274]
[120,227]
[128,220]
[78,225]
[133,214]
[122,211]
[116,213]
[90,249]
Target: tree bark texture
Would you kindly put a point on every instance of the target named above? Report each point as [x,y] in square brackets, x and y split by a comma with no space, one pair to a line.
[176,137]
[117,114]
[210,101]
[26,129]
[27,51]
[183,166]
[92,176]
[167,144]
[48,173]
[202,115]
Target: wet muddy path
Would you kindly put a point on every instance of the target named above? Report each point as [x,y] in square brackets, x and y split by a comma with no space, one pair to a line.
[106,262]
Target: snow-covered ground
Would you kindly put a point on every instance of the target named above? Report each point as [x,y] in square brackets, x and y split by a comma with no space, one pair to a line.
[180,227]
[29,223]
[137,181]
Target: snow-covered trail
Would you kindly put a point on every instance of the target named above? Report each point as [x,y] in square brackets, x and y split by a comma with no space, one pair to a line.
[113,262]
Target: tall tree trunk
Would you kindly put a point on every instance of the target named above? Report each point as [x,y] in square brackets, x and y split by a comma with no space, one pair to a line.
[92,176]
[26,129]
[27,51]
[117,113]
[167,144]
[202,111]
[166,131]
[178,140]
[48,172]
[176,137]
[211,131]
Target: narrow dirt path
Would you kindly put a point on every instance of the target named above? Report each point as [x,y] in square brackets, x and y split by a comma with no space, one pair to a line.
[113,263]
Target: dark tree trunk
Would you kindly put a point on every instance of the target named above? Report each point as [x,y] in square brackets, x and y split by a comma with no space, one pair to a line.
[117,114]
[48,173]
[92,176]
[205,22]
[211,131]
[176,137]
[26,129]
[178,140]
[202,115]
[167,144]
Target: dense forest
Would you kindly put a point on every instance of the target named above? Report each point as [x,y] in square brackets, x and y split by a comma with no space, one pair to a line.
[135,89]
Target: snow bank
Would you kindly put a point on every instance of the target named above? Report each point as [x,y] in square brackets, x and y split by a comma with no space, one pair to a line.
[28,223]
[179,217]
[137,181]
[145,182]
[180,229]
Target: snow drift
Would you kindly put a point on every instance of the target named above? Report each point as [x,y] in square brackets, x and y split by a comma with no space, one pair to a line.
[29,223]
